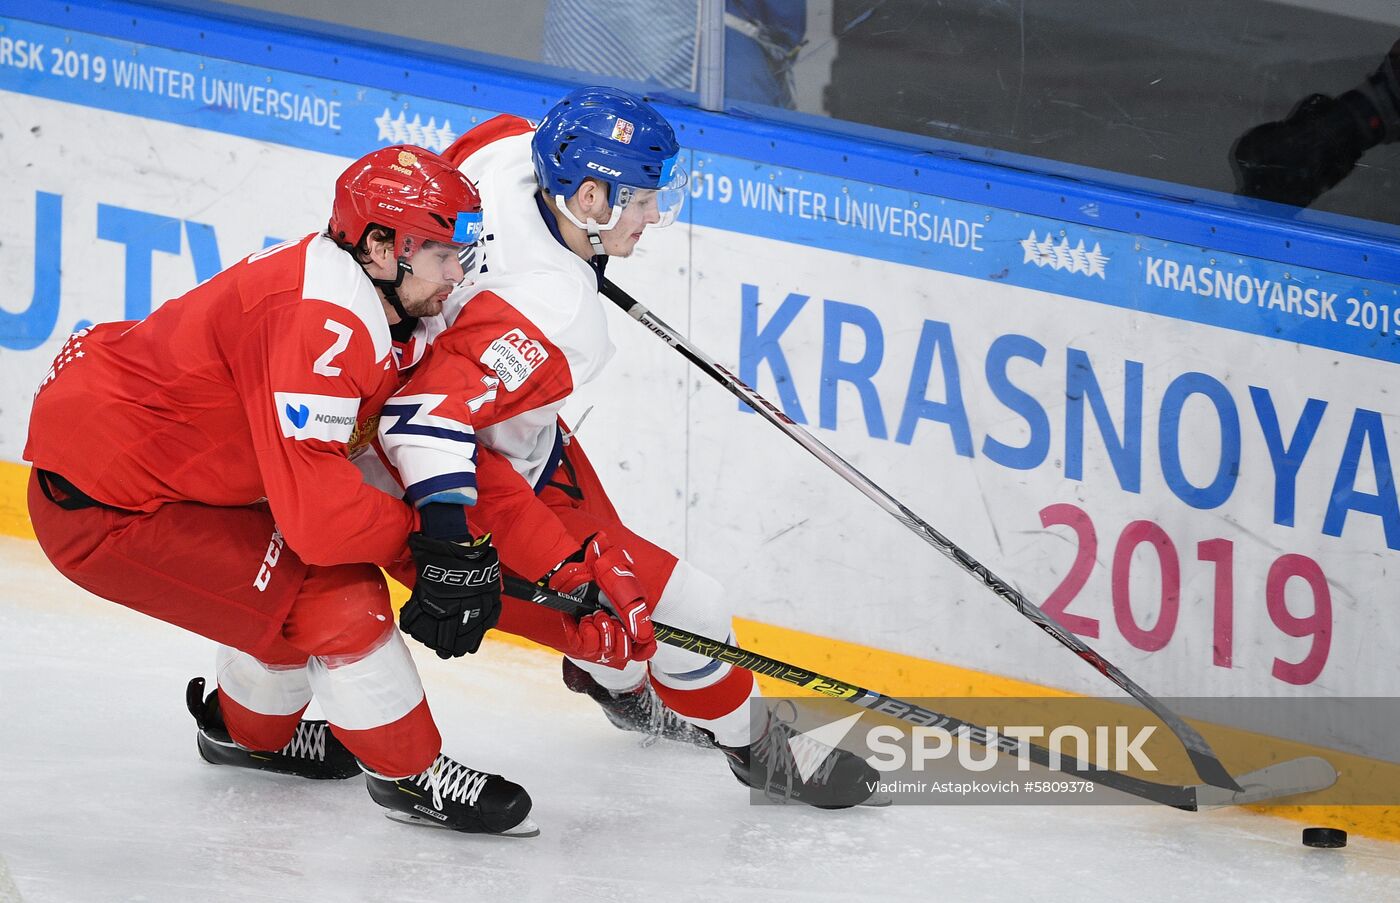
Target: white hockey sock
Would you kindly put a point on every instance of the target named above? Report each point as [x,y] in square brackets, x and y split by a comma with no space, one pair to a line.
[375,689]
[260,687]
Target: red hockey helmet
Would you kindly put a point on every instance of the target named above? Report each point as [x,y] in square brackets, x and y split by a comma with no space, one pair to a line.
[415,192]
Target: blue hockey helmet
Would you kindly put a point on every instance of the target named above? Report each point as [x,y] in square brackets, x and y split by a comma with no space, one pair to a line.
[615,138]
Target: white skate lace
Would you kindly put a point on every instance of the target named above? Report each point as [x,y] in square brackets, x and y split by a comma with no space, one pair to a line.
[451,780]
[309,742]
[774,751]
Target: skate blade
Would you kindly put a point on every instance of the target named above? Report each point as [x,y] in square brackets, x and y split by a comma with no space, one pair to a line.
[526,828]
[875,801]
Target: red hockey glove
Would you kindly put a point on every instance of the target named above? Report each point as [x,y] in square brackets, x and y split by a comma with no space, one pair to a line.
[601,575]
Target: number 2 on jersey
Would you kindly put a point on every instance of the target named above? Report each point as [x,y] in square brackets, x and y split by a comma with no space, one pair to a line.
[323,365]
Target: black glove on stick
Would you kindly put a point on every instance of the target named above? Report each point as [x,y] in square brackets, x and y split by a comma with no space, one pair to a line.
[457,597]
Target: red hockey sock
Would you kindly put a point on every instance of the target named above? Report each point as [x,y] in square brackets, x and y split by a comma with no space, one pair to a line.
[399,749]
[708,703]
[254,730]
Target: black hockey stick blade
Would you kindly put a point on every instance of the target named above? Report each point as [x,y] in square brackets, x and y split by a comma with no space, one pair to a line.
[1283,779]
[1203,758]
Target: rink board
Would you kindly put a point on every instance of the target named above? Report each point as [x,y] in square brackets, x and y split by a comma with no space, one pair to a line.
[1184,451]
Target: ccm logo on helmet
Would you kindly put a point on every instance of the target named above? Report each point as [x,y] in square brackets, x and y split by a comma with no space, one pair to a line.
[603,169]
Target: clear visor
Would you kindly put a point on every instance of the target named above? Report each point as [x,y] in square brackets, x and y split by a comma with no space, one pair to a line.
[643,206]
[438,261]
[653,207]
[658,206]
[429,257]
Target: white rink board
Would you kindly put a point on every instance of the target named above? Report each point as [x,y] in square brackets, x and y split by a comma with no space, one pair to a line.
[795,545]
[796,528]
[246,190]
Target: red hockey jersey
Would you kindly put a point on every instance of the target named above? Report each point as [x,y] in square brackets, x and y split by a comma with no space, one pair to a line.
[254,385]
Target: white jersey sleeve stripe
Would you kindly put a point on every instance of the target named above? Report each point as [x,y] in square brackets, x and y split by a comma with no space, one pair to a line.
[435,455]
[449,488]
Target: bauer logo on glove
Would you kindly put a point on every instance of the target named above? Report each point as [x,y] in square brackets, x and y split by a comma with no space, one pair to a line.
[473,577]
[457,596]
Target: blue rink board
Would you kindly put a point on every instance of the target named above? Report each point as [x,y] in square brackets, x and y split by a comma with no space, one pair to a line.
[736,185]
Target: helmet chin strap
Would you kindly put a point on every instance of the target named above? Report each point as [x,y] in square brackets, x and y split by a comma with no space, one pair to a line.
[595,239]
[591,227]
[390,288]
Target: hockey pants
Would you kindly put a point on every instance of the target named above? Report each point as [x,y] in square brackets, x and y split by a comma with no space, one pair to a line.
[286,629]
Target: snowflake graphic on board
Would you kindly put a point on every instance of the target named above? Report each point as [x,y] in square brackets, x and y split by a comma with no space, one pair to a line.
[402,130]
[1046,253]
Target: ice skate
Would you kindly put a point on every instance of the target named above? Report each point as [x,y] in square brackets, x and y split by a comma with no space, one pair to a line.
[450,795]
[639,710]
[314,752]
[840,781]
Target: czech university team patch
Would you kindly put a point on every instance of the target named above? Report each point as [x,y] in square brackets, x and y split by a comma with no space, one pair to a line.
[514,356]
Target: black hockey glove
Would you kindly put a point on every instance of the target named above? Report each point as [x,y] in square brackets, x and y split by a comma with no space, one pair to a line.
[457,597]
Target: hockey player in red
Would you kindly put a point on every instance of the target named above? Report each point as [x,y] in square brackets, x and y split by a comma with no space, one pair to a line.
[194,466]
[526,329]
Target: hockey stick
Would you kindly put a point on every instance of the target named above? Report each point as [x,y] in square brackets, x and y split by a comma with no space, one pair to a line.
[1302,775]
[1203,758]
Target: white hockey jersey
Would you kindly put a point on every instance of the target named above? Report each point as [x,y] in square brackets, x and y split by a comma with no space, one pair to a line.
[526,328]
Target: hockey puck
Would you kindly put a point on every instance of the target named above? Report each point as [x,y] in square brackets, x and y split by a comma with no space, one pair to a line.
[1326,838]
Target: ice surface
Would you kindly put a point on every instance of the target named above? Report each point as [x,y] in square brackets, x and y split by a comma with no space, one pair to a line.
[103,797]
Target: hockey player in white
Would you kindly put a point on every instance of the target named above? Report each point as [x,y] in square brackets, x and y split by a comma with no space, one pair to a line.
[526,329]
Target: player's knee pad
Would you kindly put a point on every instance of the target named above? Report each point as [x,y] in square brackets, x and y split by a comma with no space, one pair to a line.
[695,602]
[342,610]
